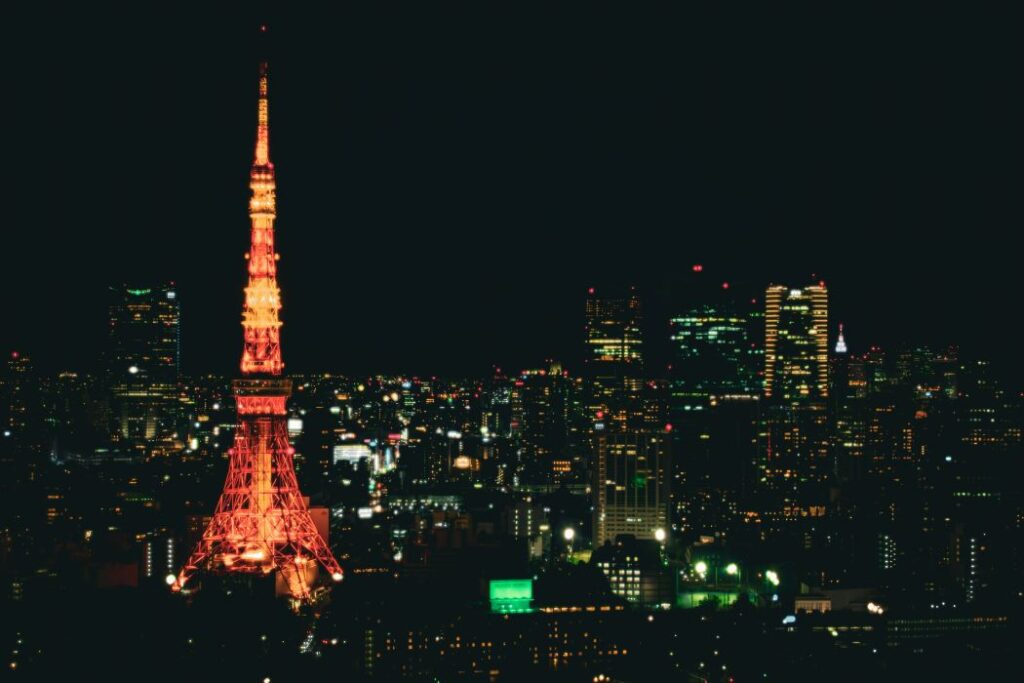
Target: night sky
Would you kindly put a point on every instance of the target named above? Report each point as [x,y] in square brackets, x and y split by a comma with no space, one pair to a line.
[451,181]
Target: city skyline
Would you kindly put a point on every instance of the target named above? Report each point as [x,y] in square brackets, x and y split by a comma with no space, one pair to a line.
[514,397]
[407,162]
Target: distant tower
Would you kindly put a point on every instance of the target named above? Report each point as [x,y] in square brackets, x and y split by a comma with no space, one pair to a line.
[840,342]
[261,523]
[631,485]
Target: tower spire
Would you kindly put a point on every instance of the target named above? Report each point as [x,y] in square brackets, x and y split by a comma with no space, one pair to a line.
[262,157]
[840,342]
[260,317]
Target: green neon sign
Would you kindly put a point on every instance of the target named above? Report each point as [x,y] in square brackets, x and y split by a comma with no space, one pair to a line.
[511,595]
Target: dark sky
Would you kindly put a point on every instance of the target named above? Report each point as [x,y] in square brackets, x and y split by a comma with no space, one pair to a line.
[451,180]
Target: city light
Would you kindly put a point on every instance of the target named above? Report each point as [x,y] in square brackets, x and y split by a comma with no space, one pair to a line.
[395,505]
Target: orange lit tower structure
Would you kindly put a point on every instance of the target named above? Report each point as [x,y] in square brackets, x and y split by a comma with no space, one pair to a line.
[261,523]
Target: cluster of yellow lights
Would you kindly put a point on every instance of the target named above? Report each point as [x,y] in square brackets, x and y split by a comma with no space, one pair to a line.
[817,336]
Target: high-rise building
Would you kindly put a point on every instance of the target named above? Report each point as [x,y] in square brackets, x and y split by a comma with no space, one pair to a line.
[16,382]
[631,485]
[796,343]
[541,402]
[846,410]
[613,360]
[19,408]
[144,365]
[712,356]
[796,438]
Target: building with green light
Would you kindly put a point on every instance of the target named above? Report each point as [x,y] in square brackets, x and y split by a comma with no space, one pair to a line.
[632,473]
[144,360]
[511,596]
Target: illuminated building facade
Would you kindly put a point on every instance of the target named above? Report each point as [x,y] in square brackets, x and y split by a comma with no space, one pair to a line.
[796,433]
[846,408]
[631,485]
[635,570]
[990,418]
[541,424]
[145,358]
[713,357]
[796,343]
[16,384]
[19,401]
[262,522]
[613,359]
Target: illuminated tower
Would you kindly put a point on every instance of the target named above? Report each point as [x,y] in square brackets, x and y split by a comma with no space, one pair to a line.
[840,342]
[261,523]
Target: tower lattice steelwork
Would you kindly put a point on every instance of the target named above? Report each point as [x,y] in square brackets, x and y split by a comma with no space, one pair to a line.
[261,523]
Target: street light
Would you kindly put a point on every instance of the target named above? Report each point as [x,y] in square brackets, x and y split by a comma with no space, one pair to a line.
[772,577]
[701,568]
[659,535]
[568,534]
[732,569]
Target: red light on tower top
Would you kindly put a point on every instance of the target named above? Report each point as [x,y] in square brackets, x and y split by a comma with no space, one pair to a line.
[725,285]
[697,267]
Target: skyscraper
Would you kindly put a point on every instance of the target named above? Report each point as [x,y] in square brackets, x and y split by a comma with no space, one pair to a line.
[144,365]
[796,444]
[614,359]
[631,485]
[712,356]
[796,343]
[846,410]
[541,424]
[16,384]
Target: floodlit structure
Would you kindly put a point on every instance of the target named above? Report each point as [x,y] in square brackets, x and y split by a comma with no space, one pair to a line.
[261,523]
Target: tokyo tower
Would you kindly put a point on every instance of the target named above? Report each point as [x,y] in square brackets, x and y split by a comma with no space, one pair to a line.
[261,523]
